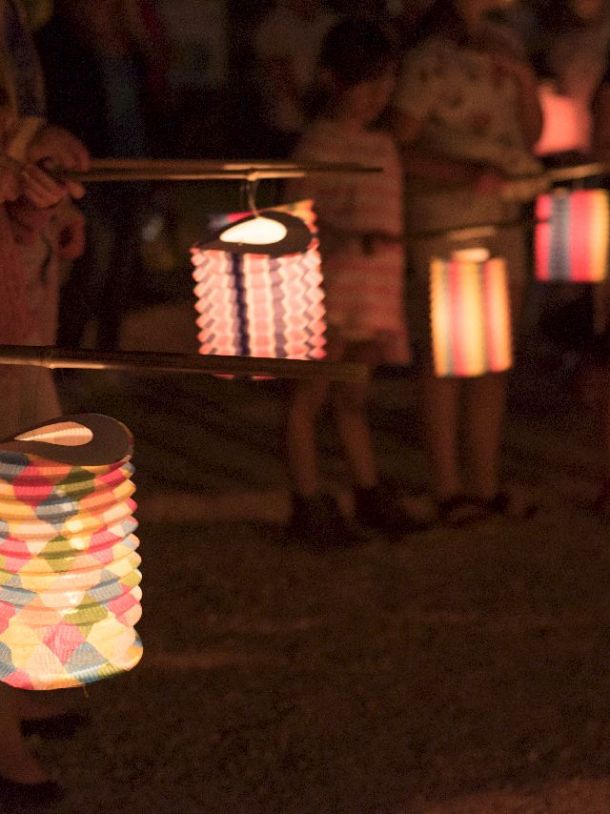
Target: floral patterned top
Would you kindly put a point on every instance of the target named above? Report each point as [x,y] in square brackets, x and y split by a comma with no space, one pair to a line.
[470,107]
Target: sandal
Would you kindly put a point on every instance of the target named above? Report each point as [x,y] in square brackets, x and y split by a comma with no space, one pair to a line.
[459,511]
[506,504]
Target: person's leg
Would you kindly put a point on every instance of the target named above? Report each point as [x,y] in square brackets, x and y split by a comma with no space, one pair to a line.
[301,447]
[350,413]
[17,763]
[485,396]
[439,402]
[484,406]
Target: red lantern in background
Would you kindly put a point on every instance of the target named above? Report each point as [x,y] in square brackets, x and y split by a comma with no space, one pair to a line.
[571,236]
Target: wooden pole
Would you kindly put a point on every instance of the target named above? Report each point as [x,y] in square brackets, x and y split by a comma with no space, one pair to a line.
[127,169]
[148,362]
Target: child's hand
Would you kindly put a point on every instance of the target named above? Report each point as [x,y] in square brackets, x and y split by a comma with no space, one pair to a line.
[40,188]
[489,182]
[64,150]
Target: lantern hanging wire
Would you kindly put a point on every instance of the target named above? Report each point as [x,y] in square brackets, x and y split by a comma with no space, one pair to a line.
[152,362]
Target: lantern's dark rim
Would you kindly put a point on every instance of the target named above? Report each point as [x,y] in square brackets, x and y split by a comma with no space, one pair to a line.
[297,240]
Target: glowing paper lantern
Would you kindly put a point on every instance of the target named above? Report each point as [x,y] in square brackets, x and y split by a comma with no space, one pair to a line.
[69,578]
[258,286]
[571,240]
[470,315]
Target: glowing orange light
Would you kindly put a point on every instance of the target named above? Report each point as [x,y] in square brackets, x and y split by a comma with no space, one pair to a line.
[470,316]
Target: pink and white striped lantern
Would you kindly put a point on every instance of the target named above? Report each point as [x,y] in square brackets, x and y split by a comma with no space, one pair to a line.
[258,286]
[470,315]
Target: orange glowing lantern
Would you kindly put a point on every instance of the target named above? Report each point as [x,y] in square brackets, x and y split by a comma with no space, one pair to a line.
[470,315]
[571,239]
[69,578]
[258,286]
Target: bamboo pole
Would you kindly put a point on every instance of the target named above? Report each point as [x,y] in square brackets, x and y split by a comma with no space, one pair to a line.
[127,169]
[148,362]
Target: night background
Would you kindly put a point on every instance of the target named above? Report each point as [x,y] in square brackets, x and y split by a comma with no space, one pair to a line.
[451,671]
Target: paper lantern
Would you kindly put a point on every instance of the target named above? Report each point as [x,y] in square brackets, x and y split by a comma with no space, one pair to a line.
[69,578]
[470,315]
[258,286]
[571,239]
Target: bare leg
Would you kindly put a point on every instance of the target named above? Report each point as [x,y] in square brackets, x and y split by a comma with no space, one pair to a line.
[349,402]
[350,411]
[484,403]
[16,761]
[307,399]
[439,411]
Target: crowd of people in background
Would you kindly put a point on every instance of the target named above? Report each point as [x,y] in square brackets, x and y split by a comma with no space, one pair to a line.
[452,97]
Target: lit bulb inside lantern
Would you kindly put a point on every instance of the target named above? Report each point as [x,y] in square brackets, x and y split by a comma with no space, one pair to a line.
[478,255]
[259,231]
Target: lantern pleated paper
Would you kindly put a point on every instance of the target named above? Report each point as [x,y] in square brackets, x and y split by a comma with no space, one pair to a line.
[254,300]
[571,238]
[470,317]
[69,579]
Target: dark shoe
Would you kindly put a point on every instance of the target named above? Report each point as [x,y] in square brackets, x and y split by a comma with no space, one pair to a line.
[318,523]
[61,727]
[509,505]
[379,508]
[21,797]
[459,511]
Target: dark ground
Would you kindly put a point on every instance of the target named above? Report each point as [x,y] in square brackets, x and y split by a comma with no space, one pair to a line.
[458,672]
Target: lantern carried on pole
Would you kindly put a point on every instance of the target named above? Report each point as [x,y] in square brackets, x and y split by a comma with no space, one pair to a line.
[69,578]
[572,236]
[470,314]
[258,286]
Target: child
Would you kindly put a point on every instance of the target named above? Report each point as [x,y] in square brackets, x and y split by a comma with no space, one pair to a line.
[360,223]
[466,113]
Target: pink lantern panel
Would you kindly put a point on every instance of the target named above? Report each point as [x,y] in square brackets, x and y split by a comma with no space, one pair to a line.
[571,236]
[69,568]
[470,316]
[259,302]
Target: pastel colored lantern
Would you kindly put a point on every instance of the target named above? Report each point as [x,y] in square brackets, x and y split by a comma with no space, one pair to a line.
[258,286]
[69,579]
[470,315]
[571,237]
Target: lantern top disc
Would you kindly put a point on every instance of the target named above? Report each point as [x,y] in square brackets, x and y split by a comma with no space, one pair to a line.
[269,232]
[87,439]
